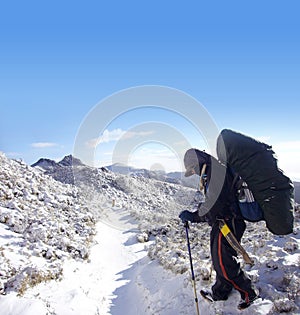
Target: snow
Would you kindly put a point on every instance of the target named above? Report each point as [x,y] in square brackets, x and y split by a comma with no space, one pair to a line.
[87,288]
[72,250]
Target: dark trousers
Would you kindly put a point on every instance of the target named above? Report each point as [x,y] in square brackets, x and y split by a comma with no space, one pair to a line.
[228,272]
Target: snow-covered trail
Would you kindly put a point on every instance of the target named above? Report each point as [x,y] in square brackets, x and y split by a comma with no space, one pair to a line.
[88,288]
[118,279]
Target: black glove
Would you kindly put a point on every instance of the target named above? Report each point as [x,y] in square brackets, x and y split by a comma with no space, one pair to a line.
[186,216]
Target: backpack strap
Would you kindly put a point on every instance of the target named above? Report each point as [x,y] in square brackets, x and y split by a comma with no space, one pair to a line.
[202,184]
[237,182]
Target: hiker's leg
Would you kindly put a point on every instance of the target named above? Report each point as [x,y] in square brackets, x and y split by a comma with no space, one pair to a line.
[226,264]
[222,288]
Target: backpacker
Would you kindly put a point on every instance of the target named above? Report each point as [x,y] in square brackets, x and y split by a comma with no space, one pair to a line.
[254,161]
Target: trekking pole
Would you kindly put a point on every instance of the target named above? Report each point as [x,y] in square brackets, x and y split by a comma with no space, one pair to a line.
[186,225]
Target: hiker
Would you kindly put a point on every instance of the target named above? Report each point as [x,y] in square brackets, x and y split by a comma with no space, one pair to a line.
[220,204]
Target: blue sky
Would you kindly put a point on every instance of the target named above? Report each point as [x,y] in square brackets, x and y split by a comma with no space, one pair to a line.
[59,59]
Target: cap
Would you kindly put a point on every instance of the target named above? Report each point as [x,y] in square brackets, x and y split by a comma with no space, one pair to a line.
[194,160]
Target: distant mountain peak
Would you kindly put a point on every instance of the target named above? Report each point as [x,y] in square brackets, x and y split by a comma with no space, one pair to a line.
[70,160]
[43,162]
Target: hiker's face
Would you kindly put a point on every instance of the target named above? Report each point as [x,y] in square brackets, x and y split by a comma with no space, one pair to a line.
[196,170]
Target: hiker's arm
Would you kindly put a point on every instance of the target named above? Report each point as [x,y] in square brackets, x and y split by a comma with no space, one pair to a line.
[191,216]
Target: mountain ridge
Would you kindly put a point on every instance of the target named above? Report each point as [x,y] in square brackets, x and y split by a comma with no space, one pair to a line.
[176,177]
[64,166]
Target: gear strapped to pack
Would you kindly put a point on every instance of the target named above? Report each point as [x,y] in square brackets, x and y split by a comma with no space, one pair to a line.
[203,179]
[234,243]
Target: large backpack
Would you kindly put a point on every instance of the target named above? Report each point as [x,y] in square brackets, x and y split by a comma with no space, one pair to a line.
[254,161]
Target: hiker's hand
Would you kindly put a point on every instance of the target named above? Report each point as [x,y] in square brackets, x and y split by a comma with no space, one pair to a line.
[186,216]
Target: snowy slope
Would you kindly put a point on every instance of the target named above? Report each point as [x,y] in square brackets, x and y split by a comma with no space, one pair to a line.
[172,177]
[114,245]
[46,220]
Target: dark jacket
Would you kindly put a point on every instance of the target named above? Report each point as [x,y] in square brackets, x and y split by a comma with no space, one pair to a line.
[221,199]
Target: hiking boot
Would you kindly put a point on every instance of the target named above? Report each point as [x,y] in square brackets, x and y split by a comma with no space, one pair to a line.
[244,304]
[211,297]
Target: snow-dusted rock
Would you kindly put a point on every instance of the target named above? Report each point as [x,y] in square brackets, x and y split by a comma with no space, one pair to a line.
[284,305]
[51,218]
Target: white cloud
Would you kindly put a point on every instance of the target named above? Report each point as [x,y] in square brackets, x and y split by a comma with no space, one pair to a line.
[288,154]
[113,135]
[44,144]
[116,135]
[106,137]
